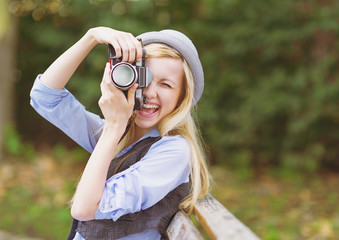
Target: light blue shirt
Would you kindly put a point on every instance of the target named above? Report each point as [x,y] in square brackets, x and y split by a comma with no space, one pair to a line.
[165,166]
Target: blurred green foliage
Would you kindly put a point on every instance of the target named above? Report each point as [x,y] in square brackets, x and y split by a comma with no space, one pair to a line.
[278,207]
[31,218]
[34,195]
[15,146]
[271,78]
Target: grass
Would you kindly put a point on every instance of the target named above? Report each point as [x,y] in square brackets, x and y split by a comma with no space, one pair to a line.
[275,204]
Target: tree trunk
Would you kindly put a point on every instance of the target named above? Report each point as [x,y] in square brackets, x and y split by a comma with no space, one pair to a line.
[8,40]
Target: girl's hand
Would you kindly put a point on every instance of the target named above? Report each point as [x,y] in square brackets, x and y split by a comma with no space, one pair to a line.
[116,108]
[125,44]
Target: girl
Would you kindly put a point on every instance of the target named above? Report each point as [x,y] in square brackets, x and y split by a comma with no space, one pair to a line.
[144,164]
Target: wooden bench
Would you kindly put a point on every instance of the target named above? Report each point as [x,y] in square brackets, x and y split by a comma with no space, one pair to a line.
[213,218]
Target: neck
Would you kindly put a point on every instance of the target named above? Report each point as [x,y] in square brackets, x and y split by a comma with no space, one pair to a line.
[139,133]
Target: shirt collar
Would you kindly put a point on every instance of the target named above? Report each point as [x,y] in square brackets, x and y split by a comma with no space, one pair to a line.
[151,133]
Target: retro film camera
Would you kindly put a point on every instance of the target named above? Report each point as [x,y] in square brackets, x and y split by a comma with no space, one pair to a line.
[124,75]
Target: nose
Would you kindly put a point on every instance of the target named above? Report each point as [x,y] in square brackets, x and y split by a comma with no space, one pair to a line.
[150,91]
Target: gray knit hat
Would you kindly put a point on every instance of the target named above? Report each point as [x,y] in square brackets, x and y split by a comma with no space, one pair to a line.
[186,48]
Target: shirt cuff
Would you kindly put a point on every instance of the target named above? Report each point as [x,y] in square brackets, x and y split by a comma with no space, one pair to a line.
[113,201]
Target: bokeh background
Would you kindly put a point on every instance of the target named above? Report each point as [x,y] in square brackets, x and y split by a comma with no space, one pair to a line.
[269,114]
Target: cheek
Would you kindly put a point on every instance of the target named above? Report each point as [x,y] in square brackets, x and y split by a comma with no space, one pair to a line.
[174,100]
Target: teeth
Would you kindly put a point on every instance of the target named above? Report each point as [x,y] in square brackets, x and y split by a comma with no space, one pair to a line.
[150,106]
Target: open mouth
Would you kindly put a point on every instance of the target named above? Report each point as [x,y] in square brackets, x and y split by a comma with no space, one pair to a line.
[148,110]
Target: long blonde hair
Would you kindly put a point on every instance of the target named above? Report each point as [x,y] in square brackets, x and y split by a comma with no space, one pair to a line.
[180,122]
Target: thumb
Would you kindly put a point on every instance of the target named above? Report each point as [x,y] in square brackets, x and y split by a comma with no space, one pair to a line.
[107,70]
[131,94]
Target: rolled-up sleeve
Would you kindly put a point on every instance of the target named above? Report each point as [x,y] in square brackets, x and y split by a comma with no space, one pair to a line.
[63,110]
[162,169]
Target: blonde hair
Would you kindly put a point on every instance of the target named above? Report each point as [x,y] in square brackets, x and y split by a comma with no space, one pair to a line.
[180,122]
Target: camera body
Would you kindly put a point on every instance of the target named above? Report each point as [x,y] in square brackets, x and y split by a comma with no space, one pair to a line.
[124,75]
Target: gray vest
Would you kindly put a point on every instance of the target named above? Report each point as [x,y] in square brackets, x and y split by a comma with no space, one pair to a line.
[158,216]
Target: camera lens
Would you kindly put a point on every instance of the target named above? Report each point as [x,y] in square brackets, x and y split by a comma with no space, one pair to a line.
[123,75]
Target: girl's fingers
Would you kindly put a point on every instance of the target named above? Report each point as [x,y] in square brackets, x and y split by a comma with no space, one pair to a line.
[124,49]
[106,85]
[134,47]
[139,51]
[127,47]
[117,48]
[124,43]
[131,94]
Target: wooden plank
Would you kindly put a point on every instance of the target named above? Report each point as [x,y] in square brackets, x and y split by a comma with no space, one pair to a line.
[219,223]
[182,228]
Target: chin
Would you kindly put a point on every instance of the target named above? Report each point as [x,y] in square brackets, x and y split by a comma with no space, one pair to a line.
[145,124]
